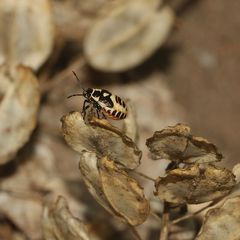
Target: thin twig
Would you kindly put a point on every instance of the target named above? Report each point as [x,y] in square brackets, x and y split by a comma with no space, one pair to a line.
[144,176]
[193,214]
[165,223]
[135,233]
[158,218]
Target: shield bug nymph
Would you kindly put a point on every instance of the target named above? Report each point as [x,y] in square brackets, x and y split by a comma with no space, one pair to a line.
[103,101]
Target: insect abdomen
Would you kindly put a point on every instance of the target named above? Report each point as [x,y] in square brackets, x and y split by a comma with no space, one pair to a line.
[113,106]
[119,109]
[114,114]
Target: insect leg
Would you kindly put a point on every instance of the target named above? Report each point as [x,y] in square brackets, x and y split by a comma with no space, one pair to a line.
[85,107]
[98,108]
[98,113]
[104,115]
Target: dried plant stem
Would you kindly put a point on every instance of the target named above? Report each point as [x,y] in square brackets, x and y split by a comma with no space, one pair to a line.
[165,223]
[156,216]
[135,233]
[144,176]
[193,214]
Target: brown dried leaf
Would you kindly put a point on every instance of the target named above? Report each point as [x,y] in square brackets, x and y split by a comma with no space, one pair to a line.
[59,224]
[26,30]
[19,96]
[222,222]
[194,184]
[100,137]
[124,193]
[177,144]
[127,36]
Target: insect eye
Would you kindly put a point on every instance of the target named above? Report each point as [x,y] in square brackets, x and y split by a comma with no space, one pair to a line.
[87,93]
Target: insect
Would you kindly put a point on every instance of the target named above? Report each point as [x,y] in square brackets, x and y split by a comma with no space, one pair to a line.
[103,101]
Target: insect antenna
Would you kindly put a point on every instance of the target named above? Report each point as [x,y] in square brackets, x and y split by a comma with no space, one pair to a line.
[80,82]
[73,95]
[77,94]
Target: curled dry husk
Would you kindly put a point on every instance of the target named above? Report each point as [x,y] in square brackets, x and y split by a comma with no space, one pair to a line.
[100,137]
[195,184]
[222,222]
[19,102]
[123,193]
[114,189]
[26,31]
[236,190]
[58,223]
[177,144]
[130,127]
[127,36]
[236,172]
[88,166]
[23,211]
[22,193]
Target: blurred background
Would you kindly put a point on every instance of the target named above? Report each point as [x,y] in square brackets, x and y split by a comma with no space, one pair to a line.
[176,61]
[204,72]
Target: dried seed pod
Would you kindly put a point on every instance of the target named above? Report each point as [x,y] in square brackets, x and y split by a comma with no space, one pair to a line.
[100,137]
[236,172]
[88,166]
[236,190]
[195,184]
[177,144]
[19,96]
[123,193]
[22,192]
[130,127]
[127,36]
[27,32]
[114,189]
[222,222]
[59,223]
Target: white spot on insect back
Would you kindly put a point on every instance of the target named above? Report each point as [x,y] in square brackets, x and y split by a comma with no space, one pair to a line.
[105,94]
